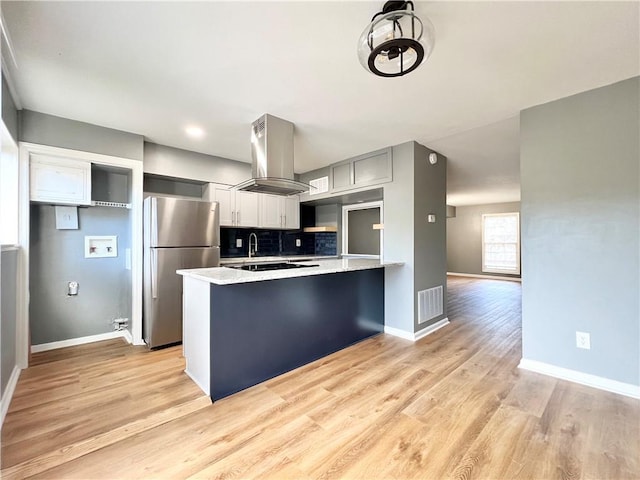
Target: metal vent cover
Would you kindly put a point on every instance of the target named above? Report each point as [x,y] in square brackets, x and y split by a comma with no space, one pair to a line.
[430,304]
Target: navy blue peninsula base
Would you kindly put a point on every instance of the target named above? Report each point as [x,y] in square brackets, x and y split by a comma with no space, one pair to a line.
[259,330]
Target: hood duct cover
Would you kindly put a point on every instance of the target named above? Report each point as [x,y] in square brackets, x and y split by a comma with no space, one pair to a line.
[272,158]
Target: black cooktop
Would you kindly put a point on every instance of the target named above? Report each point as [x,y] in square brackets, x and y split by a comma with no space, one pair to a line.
[262,267]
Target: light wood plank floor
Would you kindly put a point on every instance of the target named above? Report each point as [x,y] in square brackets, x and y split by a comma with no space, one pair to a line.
[453,405]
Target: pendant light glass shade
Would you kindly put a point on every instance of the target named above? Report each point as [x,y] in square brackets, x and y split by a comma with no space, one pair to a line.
[395,43]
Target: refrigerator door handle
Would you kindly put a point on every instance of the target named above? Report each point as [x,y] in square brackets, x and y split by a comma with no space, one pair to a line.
[154,273]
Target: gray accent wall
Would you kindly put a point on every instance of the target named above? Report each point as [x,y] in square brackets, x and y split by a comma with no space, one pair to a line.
[9,112]
[464,237]
[61,132]
[418,189]
[580,181]
[57,257]
[178,163]
[8,315]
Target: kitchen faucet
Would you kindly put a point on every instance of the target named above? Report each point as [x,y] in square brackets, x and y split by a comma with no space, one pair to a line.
[255,246]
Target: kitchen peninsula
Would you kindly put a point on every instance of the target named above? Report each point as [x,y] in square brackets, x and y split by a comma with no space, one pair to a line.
[243,327]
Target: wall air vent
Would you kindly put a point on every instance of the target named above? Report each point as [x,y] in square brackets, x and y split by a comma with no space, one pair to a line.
[429,304]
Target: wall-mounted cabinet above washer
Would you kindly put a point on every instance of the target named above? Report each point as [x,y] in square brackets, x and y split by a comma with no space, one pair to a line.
[59,180]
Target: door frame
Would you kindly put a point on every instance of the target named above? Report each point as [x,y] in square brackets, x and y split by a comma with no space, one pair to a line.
[136,187]
[345,227]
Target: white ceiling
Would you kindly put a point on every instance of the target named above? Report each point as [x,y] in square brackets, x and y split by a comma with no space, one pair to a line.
[154,68]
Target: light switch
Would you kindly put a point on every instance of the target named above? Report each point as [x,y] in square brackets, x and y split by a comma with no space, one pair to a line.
[431,218]
[66,218]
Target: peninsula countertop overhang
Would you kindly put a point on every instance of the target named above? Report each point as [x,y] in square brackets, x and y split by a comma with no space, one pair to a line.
[231,276]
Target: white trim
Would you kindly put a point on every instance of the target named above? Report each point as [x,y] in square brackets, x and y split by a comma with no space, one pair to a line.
[345,227]
[414,337]
[7,66]
[136,168]
[396,332]
[8,393]
[195,380]
[429,329]
[601,383]
[127,335]
[488,277]
[72,342]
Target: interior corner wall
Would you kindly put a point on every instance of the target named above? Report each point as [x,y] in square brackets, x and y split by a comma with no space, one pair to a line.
[56,257]
[580,179]
[430,239]
[398,241]
[9,111]
[43,129]
[8,315]
[464,237]
[177,163]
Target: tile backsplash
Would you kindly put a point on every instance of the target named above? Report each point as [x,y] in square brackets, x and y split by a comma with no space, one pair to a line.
[276,242]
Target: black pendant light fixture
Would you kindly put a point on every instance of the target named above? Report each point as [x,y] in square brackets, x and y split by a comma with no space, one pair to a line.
[396,41]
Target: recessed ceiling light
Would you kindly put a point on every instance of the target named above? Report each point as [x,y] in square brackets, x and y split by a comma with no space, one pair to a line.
[194,132]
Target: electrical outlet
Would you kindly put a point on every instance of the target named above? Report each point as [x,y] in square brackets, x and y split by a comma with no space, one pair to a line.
[238,243]
[583,340]
[298,242]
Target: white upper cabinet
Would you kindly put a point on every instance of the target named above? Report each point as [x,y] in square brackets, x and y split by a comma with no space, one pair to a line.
[291,212]
[247,209]
[237,209]
[270,211]
[254,210]
[58,180]
[279,212]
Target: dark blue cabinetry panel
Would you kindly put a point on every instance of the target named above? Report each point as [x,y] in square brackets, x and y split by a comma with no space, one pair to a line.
[263,329]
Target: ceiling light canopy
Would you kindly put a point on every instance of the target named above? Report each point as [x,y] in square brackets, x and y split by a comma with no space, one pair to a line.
[396,41]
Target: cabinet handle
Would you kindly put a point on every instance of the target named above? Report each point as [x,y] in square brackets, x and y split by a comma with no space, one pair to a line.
[284,222]
[238,216]
[233,217]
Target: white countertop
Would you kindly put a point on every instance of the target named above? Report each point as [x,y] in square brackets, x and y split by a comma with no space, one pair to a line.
[292,258]
[230,276]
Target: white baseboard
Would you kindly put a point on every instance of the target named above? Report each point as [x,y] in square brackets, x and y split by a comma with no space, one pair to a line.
[488,277]
[587,379]
[127,336]
[43,347]
[5,401]
[396,332]
[431,328]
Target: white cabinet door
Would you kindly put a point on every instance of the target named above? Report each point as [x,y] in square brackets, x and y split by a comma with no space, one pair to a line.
[226,200]
[291,218]
[271,212]
[247,211]
[59,180]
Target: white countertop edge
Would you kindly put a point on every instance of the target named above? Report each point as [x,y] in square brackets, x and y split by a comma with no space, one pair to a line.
[292,258]
[231,276]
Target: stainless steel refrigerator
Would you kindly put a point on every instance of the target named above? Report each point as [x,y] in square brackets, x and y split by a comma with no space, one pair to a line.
[177,234]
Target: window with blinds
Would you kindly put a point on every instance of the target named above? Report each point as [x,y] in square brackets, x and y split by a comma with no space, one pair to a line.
[501,243]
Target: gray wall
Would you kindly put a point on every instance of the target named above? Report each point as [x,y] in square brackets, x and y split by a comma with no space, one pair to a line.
[430,241]
[418,189]
[464,237]
[580,231]
[177,163]
[8,303]
[61,132]
[363,239]
[57,257]
[9,112]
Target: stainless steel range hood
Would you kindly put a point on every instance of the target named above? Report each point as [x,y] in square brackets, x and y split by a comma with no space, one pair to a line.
[272,158]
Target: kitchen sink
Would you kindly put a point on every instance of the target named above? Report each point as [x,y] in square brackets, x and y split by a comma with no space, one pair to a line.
[263,267]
